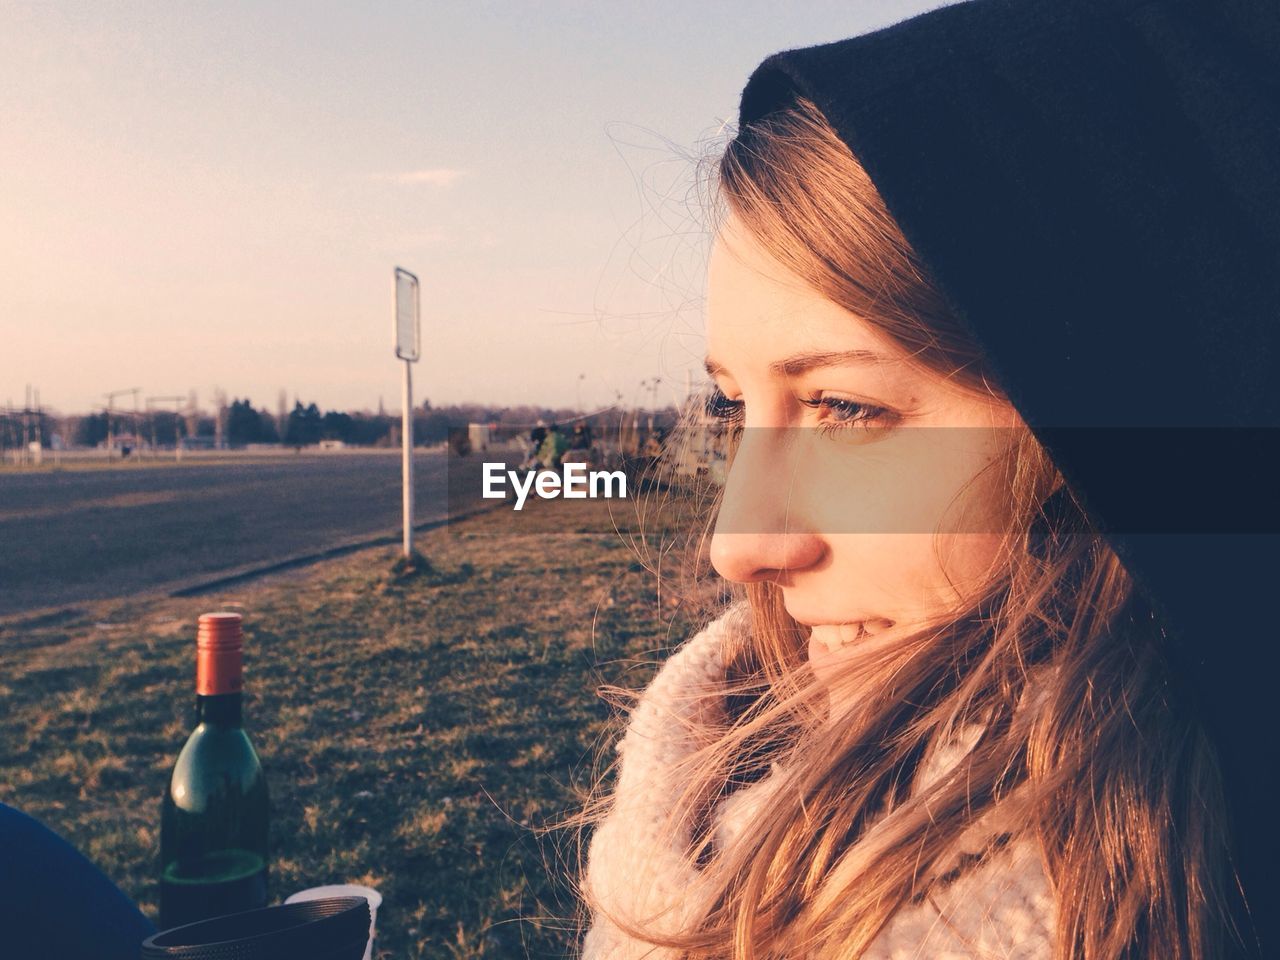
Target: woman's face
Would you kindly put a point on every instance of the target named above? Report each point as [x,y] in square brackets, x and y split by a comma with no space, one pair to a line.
[848,460]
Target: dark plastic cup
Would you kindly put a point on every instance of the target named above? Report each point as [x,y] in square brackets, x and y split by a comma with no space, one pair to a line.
[336,928]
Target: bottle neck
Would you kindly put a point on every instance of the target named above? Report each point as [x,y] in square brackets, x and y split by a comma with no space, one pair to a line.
[222,710]
[218,670]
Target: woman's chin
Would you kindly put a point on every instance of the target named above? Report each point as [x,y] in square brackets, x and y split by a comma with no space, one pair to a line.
[831,645]
[828,646]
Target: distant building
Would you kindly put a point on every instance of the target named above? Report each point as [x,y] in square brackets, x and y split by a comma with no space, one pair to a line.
[480,435]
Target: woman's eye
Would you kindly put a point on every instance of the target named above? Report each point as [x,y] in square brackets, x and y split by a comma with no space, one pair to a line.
[842,413]
[720,407]
[847,414]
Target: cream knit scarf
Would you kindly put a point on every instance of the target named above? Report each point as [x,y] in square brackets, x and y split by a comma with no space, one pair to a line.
[1003,908]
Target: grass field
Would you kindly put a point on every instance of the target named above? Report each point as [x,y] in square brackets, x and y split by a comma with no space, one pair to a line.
[418,733]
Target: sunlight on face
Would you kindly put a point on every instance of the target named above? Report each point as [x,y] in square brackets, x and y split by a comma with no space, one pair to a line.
[834,489]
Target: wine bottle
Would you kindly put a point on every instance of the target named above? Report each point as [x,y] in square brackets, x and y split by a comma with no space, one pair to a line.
[213,829]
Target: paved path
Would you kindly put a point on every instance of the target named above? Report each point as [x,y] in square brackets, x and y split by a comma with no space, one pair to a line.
[75,535]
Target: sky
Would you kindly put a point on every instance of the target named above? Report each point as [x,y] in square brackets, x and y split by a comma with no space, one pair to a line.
[214,196]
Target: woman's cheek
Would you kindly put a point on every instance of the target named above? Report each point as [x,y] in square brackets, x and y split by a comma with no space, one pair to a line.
[886,575]
[850,489]
[969,561]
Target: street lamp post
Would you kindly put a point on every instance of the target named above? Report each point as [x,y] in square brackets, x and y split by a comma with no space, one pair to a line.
[408,346]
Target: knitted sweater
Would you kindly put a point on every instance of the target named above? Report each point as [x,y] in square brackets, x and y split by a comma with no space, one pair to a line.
[1003,908]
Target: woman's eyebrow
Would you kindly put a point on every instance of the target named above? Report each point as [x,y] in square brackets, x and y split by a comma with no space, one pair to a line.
[803,362]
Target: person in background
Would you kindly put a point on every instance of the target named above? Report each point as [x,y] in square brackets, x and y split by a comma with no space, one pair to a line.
[553,448]
[581,439]
[537,436]
[579,445]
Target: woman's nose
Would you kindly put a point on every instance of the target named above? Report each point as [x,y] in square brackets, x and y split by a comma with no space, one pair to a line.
[761,529]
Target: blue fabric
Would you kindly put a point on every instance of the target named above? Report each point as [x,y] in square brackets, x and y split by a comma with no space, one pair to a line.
[55,903]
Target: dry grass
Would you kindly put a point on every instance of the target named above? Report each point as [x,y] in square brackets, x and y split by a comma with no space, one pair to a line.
[417,731]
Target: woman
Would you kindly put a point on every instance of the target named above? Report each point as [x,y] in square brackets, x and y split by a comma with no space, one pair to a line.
[992,690]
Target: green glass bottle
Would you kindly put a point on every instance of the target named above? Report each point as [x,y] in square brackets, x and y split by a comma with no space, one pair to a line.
[213,828]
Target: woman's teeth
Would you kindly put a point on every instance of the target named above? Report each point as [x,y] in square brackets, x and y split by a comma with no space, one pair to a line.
[851,633]
[837,635]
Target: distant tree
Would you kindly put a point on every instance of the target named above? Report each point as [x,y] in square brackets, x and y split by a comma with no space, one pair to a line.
[268,426]
[90,431]
[373,429]
[243,425]
[337,426]
[247,425]
[367,429]
[434,425]
[305,425]
[165,424]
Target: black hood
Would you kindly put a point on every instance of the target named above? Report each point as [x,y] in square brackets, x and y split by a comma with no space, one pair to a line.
[1094,186]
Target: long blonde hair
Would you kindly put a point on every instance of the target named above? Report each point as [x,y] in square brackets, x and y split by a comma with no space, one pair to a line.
[1086,741]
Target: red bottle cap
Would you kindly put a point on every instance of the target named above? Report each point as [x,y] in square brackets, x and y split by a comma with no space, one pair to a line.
[219,643]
